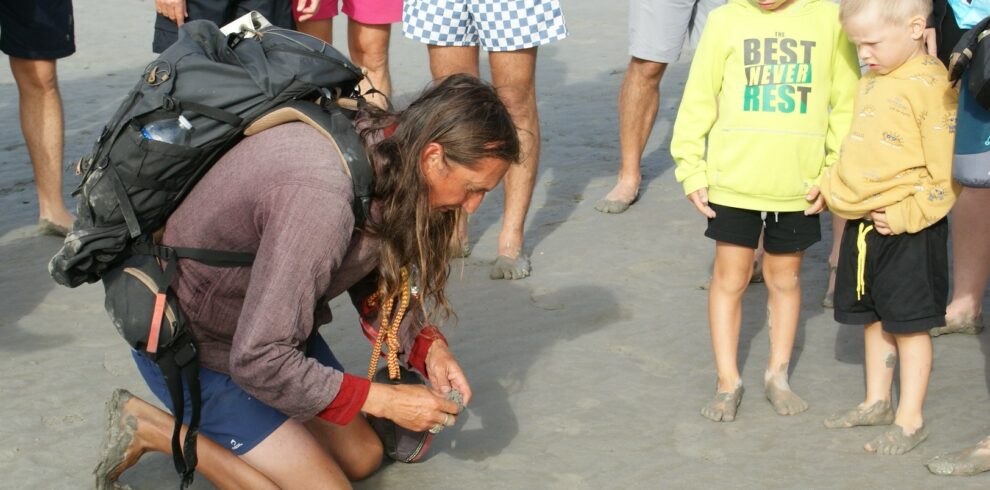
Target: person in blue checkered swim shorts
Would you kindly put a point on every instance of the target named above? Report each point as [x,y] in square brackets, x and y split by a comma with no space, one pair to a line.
[511,31]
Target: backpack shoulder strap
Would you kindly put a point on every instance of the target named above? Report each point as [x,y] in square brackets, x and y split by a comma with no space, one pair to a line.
[338,129]
[965,49]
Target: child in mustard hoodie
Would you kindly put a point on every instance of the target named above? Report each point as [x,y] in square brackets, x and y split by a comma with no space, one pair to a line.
[767,103]
[894,184]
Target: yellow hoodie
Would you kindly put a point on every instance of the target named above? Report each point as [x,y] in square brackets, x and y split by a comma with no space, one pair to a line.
[772,91]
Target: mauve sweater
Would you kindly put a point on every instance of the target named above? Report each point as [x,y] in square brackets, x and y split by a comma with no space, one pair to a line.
[283,195]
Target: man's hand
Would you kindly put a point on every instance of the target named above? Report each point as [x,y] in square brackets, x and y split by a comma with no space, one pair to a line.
[414,407]
[700,200]
[307,8]
[172,9]
[817,201]
[879,217]
[444,371]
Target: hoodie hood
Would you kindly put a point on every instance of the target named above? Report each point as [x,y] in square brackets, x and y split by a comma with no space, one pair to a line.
[798,7]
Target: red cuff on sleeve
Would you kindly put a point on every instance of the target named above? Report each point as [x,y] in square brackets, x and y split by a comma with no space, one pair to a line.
[348,402]
[425,339]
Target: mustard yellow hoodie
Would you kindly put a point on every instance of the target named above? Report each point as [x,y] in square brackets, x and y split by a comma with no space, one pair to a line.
[772,92]
[898,154]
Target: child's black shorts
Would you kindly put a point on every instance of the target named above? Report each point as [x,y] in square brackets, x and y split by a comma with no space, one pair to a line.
[786,232]
[37,29]
[905,279]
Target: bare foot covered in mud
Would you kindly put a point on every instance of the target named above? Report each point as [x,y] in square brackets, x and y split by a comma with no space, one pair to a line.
[778,392]
[895,441]
[506,267]
[120,450]
[965,462]
[879,413]
[966,324]
[723,406]
[618,200]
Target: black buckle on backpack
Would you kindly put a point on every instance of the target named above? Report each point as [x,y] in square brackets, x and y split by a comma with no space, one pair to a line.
[234,38]
[169,103]
[186,352]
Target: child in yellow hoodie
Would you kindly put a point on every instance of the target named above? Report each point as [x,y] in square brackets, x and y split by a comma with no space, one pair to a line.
[766,105]
[894,184]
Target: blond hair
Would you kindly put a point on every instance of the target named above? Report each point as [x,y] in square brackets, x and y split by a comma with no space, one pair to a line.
[889,11]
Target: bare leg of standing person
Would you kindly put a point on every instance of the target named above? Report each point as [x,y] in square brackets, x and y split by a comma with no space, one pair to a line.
[878,365]
[368,44]
[730,277]
[319,28]
[446,61]
[970,263]
[639,99]
[783,278]
[514,78]
[908,430]
[838,225]
[43,126]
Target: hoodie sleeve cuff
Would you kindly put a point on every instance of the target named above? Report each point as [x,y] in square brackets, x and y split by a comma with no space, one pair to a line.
[348,402]
[425,339]
[695,182]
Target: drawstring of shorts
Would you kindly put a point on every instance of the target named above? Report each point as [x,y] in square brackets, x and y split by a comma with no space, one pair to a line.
[861,260]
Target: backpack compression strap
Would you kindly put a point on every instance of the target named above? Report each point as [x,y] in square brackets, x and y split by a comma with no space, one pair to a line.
[965,49]
[180,363]
[338,128]
[178,359]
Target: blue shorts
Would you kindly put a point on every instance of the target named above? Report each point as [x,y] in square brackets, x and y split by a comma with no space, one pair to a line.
[230,417]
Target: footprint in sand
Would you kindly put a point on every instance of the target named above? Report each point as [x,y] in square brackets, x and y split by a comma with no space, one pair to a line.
[62,422]
[543,298]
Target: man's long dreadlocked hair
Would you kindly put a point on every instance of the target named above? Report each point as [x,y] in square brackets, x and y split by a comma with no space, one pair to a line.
[466,117]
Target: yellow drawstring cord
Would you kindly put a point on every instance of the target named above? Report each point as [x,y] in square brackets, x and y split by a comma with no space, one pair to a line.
[861,260]
[388,331]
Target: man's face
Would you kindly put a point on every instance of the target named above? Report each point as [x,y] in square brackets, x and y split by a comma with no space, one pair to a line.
[452,185]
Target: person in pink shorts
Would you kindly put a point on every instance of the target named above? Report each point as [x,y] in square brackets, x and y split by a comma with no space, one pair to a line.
[369,28]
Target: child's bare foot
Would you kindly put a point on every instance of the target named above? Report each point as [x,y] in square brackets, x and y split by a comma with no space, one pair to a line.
[896,440]
[966,462]
[723,406]
[878,413]
[778,392]
[120,449]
